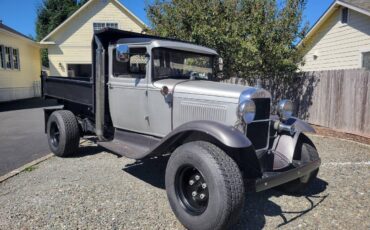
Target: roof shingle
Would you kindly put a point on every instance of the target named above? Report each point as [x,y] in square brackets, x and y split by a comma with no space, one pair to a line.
[7,28]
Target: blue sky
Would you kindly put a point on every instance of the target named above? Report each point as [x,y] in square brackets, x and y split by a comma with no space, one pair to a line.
[21,14]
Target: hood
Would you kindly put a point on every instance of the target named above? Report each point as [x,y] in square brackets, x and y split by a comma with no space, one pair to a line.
[210,88]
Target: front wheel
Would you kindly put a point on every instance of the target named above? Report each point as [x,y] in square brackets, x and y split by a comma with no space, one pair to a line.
[204,186]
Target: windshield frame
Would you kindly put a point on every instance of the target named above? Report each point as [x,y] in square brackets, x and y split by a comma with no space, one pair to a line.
[212,57]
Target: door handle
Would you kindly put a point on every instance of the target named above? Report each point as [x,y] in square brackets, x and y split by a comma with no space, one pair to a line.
[110,86]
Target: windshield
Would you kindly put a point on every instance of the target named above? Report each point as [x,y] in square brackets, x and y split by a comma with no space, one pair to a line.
[177,64]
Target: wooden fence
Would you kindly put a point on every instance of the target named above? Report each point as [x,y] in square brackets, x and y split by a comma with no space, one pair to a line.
[338,99]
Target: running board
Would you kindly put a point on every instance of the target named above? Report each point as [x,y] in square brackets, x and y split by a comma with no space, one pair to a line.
[130,144]
[272,179]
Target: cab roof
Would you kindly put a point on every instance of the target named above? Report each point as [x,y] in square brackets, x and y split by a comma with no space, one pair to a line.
[110,36]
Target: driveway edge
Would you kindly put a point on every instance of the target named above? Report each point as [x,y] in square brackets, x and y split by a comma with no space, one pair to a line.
[338,138]
[22,168]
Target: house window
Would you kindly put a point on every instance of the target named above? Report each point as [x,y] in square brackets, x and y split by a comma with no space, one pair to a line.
[101,25]
[366,60]
[98,26]
[111,25]
[344,15]
[8,60]
[16,59]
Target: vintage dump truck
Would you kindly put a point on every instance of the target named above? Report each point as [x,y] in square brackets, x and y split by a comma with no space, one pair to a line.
[151,96]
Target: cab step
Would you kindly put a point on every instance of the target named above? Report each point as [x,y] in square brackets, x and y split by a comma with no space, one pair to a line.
[130,144]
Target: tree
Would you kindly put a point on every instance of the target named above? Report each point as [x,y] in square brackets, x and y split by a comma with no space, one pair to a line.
[50,14]
[255,38]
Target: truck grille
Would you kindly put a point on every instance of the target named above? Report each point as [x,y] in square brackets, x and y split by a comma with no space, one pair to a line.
[262,108]
[258,130]
[258,133]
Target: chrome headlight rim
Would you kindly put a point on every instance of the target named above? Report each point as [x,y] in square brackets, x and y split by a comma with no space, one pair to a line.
[246,111]
[285,109]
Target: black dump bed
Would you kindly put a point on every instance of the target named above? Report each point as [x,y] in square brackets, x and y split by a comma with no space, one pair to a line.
[72,89]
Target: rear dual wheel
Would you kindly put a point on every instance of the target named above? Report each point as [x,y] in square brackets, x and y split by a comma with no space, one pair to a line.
[63,133]
[204,186]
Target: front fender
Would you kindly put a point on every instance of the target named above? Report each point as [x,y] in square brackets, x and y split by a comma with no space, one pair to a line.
[231,140]
[226,135]
[300,126]
[285,144]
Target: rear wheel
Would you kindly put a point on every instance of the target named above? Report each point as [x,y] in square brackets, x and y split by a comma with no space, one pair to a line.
[306,152]
[63,133]
[204,186]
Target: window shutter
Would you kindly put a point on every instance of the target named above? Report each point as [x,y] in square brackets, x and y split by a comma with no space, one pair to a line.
[366,60]
[344,15]
[19,59]
[2,57]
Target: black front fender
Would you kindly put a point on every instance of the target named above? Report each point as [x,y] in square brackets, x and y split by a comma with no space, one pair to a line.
[300,126]
[286,144]
[228,136]
[231,140]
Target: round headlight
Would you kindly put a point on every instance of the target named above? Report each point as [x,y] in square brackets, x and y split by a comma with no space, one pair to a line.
[285,109]
[247,111]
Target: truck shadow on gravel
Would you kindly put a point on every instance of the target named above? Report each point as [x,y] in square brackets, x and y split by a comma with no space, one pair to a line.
[84,151]
[257,206]
[151,170]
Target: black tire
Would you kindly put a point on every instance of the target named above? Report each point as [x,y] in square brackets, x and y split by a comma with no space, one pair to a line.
[306,152]
[63,133]
[224,186]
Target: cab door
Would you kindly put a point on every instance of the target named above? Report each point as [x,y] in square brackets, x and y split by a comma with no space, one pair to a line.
[160,95]
[160,109]
[127,90]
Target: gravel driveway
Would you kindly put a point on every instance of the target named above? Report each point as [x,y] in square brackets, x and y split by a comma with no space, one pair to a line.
[98,190]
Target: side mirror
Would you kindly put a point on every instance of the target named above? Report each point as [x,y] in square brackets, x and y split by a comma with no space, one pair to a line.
[122,53]
[220,64]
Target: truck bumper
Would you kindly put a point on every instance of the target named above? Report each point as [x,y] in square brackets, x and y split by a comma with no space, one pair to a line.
[272,179]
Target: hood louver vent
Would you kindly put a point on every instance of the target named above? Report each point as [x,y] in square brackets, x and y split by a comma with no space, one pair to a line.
[190,111]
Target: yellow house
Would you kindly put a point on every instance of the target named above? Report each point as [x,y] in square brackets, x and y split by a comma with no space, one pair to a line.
[340,39]
[20,65]
[69,45]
